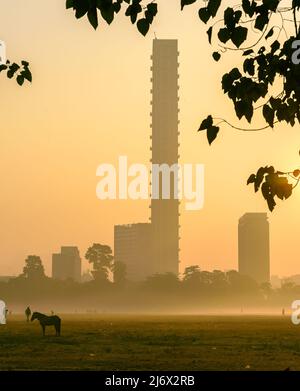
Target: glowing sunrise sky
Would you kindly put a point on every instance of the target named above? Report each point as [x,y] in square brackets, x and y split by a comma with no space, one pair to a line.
[89,103]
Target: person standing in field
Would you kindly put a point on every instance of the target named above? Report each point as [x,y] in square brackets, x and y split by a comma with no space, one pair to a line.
[28,313]
[2,312]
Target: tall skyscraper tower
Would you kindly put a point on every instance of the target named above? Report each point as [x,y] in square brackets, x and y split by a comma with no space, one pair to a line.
[165,212]
[147,249]
[254,246]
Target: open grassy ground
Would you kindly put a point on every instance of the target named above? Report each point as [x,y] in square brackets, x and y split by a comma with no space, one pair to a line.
[111,342]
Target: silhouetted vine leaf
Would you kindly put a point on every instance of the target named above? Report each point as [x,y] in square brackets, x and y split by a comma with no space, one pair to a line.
[216,56]
[270,33]
[213,7]
[204,14]
[93,17]
[212,133]
[206,123]
[209,33]
[143,26]
[239,35]
[187,2]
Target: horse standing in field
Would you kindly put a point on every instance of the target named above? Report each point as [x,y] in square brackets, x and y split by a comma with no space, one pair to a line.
[47,321]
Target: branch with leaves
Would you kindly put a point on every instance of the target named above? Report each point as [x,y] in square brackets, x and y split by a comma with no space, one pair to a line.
[265,62]
[274,184]
[20,72]
[140,13]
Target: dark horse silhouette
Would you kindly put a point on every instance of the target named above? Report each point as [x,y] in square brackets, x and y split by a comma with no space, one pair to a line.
[47,321]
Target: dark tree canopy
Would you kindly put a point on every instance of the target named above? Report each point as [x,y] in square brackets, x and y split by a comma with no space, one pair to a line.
[33,269]
[100,256]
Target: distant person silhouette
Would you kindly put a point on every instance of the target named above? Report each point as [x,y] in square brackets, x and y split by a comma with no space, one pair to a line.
[3,312]
[28,313]
[283,311]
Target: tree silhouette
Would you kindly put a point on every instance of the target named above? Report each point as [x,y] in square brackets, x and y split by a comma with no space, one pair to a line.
[218,279]
[33,269]
[266,289]
[100,256]
[241,283]
[160,282]
[119,271]
[192,273]
[268,61]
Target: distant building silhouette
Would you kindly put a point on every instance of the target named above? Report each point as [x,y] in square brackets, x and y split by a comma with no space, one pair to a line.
[147,249]
[67,264]
[254,246]
[132,244]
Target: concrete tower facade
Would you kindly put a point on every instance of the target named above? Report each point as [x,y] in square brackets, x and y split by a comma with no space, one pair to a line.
[147,249]
[254,246]
[165,212]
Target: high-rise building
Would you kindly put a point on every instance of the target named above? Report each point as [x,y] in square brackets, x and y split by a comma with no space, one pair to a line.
[67,264]
[165,212]
[254,246]
[147,249]
[132,245]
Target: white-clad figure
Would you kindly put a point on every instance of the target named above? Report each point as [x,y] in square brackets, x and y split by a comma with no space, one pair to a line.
[2,52]
[2,312]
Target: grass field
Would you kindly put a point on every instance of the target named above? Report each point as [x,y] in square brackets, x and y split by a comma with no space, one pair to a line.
[104,342]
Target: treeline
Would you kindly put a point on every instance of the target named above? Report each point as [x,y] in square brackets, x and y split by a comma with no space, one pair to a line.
[196,291]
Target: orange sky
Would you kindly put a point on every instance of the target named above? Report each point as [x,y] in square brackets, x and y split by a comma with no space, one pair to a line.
[88,104]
